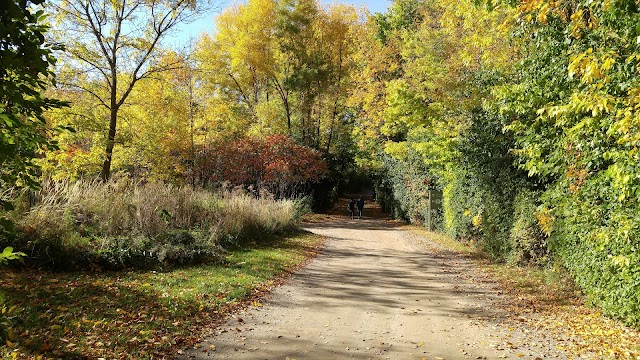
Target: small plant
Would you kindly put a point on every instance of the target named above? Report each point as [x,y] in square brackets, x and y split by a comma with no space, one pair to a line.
[8,254]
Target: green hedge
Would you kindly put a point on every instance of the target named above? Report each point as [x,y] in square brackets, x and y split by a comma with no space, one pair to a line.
[402,189]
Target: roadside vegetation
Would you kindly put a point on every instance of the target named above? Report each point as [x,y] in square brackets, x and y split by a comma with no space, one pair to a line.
[138,270]
[548,301]
[524,115]
[122,224]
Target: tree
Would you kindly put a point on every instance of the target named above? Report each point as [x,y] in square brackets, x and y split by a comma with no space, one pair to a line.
[284,68]
[235,64]
[425,95]
[163,122]
[25,71]
[115,44]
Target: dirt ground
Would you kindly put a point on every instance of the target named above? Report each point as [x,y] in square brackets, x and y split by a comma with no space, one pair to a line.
[377,291]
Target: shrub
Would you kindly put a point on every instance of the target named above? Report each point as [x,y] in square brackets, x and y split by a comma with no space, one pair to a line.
[275,163]
[528,240]
[478,190]
[402,188]
[597,241]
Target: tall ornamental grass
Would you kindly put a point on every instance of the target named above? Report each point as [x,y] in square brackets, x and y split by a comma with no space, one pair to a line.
[122,223]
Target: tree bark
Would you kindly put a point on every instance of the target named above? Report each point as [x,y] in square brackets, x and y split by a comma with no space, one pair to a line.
[113,124]
[111,140]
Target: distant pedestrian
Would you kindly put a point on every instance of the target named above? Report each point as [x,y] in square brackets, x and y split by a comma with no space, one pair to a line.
[351,207]
[360,207]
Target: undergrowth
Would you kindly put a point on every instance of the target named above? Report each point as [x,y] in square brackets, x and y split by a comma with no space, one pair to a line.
[83,224]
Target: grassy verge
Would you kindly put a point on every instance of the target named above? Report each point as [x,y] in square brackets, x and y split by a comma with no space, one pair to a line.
[547,301]
[138,314]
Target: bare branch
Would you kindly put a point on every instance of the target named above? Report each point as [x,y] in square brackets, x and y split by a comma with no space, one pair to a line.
[94,65]
[97,32]
[88,91]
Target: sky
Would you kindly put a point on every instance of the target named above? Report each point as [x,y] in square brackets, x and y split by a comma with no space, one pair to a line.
[188,32]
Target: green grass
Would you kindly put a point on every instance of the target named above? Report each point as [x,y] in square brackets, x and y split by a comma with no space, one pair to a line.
[138,314]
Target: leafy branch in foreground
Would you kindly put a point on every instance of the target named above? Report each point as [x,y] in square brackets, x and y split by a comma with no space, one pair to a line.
[26,59]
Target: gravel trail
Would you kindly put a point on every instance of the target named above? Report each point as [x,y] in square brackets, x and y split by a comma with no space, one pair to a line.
[376,291]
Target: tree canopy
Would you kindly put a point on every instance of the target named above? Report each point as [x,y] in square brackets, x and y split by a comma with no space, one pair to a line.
[111,47]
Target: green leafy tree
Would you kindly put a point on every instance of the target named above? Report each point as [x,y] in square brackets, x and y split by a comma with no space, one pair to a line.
[26,61]
[574,117]
[25,71]
[283,68]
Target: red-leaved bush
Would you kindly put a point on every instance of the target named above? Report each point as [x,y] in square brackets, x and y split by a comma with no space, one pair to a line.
[274,163]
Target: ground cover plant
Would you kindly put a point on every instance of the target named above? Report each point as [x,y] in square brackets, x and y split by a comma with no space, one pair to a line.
[138,314]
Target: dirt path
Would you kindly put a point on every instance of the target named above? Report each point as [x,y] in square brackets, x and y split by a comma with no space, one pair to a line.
[377,291]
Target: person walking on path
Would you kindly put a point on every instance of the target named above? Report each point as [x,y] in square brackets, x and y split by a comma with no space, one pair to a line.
[360,207]
[351,207]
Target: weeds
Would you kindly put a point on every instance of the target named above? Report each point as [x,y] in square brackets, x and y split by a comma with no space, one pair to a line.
[122,223]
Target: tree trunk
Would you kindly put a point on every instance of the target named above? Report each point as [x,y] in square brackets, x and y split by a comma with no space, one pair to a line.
[106,166]
[287,109]
[192,126]
[334,114]
[319,122]
[113,123]
[284,96]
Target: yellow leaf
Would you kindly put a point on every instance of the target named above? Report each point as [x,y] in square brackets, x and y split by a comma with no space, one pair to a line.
[606,65]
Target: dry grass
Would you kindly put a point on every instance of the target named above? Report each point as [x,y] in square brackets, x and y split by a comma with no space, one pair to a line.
[128,219]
